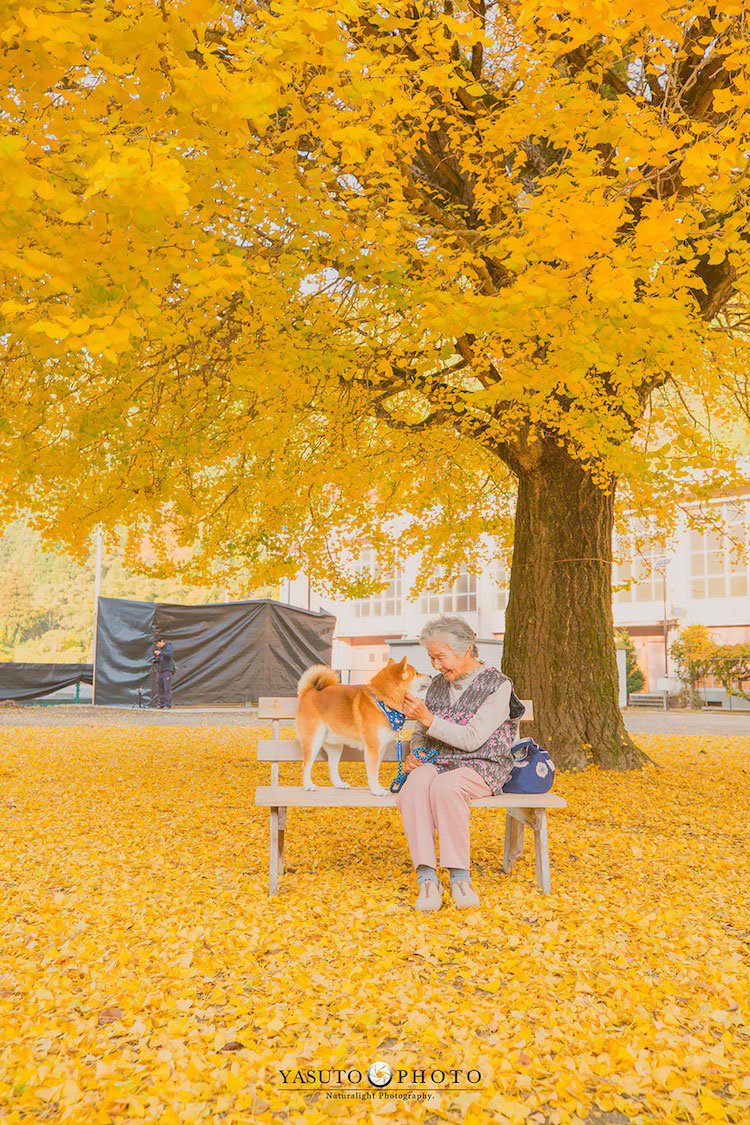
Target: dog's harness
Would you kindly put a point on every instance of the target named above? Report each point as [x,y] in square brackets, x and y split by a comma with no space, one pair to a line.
[397,720]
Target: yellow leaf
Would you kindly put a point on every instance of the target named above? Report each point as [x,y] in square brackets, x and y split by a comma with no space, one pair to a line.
[75,214]
[712,1107]
[44,190]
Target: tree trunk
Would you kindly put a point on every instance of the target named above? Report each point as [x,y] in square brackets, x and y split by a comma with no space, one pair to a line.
[559,636]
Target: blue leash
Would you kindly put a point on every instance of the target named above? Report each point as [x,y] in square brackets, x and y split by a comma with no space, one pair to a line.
[397,720]
[421,753]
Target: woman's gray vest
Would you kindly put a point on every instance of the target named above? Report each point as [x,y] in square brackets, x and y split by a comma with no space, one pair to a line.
[493,759]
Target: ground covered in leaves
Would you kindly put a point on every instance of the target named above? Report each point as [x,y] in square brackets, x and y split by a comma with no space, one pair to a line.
[146,976]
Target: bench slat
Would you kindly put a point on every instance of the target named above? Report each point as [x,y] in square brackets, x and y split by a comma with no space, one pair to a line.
[289,750]
[284,707]
[289,796]
[277,707]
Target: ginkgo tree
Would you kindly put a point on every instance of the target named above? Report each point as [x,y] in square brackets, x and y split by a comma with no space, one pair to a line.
[279,278]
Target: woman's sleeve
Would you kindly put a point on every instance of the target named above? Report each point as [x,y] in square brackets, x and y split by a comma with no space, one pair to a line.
[417,735]
[486,719]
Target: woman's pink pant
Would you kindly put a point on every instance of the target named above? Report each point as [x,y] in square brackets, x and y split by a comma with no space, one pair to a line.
[429,800]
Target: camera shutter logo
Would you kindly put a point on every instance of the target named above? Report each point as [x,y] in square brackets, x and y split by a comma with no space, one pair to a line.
[379,1073]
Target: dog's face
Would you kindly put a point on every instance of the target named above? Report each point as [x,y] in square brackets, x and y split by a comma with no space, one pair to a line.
[412,680]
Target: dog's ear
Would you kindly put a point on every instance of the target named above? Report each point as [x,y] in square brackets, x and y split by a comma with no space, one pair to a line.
[390,661]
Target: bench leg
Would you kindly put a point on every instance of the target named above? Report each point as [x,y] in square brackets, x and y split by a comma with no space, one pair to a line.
[541,852]
[273,853]
[513,841]
[282,830]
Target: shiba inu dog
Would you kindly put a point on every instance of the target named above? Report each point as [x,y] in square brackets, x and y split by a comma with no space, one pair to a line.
[333,715]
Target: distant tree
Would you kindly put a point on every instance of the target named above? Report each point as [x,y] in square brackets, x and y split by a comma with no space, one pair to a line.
[730,664]
[692,651]
[17,616]
[636,678]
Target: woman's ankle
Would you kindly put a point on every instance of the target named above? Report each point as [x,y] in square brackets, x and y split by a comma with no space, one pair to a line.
[426,874]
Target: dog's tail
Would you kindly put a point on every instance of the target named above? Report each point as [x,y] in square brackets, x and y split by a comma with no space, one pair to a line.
[318,677]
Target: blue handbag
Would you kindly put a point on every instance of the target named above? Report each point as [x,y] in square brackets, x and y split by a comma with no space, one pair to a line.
[533,771]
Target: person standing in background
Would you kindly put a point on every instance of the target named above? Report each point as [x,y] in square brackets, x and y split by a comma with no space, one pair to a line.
[164,660]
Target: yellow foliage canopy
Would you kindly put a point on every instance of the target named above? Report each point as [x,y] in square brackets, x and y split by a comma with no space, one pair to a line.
[272,272]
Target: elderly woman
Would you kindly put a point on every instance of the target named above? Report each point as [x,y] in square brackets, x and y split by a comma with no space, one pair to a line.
[470,719]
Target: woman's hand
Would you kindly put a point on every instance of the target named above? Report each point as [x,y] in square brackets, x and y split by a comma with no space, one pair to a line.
[411,762]
[415,709]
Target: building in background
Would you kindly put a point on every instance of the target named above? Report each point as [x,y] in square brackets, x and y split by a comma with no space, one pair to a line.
[702,581]
[365,625]
[699,581]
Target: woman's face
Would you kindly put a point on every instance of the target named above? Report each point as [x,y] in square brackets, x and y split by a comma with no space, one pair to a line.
[445,660]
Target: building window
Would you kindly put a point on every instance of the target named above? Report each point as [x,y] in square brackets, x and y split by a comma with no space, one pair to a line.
[623,572]
[716,568]
[738,569]
[387,603]
[501,578]
[643,575]
[459,596]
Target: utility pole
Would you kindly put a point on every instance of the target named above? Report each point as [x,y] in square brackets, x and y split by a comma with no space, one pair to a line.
[666,627]
[661,564]
[97,591]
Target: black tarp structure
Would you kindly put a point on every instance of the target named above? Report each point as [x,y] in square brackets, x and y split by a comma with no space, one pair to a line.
[225,654]
[33,681]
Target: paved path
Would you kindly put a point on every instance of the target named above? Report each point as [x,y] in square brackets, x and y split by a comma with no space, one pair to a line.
[721,723]
[84,715]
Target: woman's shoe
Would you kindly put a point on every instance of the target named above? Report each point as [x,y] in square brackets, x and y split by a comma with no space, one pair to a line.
[464,894]
[429,897]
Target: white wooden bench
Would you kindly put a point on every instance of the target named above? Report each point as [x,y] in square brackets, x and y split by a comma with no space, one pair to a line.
[522,810]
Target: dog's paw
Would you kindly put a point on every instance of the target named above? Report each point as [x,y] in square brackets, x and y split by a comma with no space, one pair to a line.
[309,786]
[379,791]
[341,784]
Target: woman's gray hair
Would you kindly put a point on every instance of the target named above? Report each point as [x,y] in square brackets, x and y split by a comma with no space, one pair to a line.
[454,631]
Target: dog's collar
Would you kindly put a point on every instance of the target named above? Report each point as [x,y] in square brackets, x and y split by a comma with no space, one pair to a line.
[394,717]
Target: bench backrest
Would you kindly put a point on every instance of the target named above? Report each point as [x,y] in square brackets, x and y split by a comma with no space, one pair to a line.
[277,707]
[280,708]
